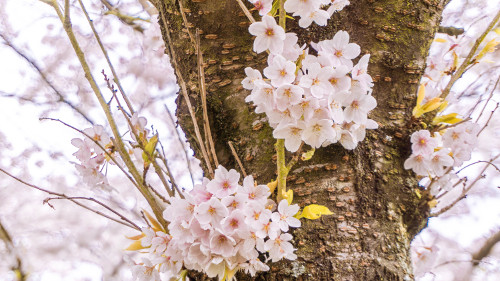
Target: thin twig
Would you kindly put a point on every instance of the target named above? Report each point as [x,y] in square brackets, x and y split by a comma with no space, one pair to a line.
[237,158]
[465,191]
[97,202]
[477,162]
[105,53]
[186,24]
[169,172]
[489,98]
[126,19]
[206,123]
[186,96]
[64,196]
[469,59]
[489,119]
[246,11]
[171,118]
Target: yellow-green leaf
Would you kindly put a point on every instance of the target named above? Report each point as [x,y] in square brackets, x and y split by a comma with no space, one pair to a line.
[490,47]
[137,237]
[149,149]
[448,118]
[272,185]
[443,106]
[307,155]
[289,196]
[156,225]
[314,211]
[135,246]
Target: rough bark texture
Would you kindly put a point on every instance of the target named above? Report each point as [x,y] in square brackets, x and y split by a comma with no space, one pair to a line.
[376,210]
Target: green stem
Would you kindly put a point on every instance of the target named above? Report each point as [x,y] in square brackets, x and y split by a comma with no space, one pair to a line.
[282,169]
[282,14]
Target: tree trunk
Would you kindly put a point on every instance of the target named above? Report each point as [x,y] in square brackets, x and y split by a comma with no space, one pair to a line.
[376,209]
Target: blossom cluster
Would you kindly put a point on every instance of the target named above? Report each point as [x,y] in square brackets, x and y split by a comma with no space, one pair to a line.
[95,149]
[319,99]
[431,154]
[92,156]
[307,10]
[220,227]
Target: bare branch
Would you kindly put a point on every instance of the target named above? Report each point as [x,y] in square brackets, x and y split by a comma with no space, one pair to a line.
[486,248]
[73,199]
[237,158]
[206,123]
[171,118]
[186,97]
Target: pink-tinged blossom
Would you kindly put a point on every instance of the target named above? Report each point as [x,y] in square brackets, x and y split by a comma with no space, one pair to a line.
[338,50]
[284,217]
[292,133]
[337,78]
[269,229]
[423,143]
[279,248]
[263,97]
[287,95]
[418,163]
[235,202]
[256,213]
[305,109]
[181,232]
[235,224]
[318,83]
[280,71]
[145,271]
[253,75]
[168,265]
[224,183]
[358,106]
[335,101]
[160,242]
[222,244]
[197,256]
[280,117]
[200,193]
[179,209]
[263,6]
[439,160]
[210,212]
[292,50]
[149,235]
[317,131]
[269,35]
[252,192]
[347,140]
[360,73]
[337,5]
[254,266]
[301,6]
[320,17]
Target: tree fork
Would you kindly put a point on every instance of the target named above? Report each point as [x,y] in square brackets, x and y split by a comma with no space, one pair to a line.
[376,209]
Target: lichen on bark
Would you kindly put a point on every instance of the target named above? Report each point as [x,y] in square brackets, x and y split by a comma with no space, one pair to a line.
[376,210]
